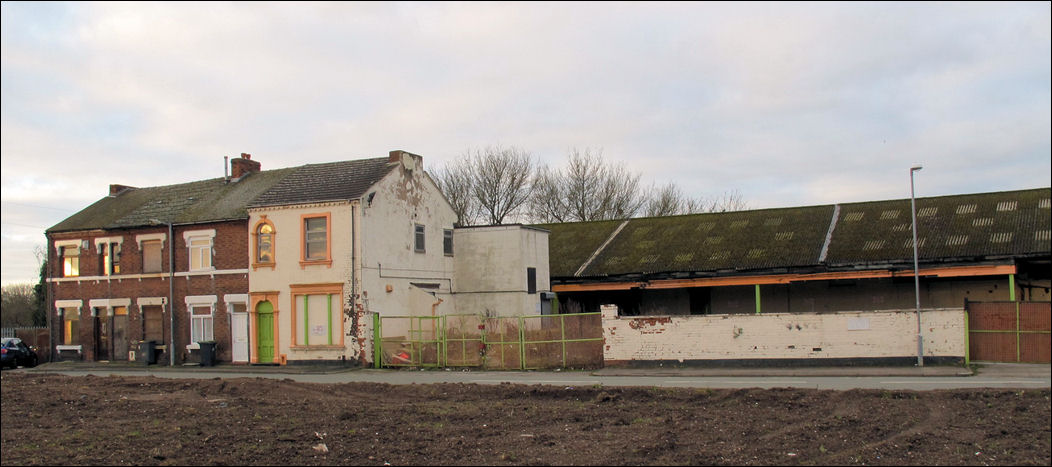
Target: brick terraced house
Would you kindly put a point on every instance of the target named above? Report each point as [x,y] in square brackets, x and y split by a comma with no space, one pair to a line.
[111,277]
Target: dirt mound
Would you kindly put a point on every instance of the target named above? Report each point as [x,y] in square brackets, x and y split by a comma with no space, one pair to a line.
[58,420]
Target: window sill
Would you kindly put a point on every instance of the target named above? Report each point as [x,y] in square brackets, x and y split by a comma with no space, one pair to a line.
[256,266]
[322,262]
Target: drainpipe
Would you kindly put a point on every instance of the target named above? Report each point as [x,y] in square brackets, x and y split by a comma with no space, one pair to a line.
[49,299]
[171,295]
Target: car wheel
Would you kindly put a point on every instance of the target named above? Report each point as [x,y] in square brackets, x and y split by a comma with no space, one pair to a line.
[32,362]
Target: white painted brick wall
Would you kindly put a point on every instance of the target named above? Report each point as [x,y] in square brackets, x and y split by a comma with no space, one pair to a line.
[782,335]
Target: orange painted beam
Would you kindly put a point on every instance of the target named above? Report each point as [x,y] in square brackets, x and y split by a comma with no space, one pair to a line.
[950,271]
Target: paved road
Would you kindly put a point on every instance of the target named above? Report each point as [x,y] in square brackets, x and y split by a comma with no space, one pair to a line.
[987,376]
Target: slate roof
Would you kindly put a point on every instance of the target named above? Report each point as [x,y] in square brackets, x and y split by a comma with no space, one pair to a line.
[333,181]
[218,200]
[965,228]
[186,203]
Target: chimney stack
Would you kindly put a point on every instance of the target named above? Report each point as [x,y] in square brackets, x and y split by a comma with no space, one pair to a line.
[409,160]
[116,189]
[244,165]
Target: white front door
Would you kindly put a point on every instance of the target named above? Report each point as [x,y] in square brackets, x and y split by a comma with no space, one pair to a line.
[239,336]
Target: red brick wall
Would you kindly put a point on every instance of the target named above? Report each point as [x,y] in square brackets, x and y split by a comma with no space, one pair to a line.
[230,252]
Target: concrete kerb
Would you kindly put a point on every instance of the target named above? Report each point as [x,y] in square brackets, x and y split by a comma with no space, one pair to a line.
[790,372]
[219,368]
[933,370]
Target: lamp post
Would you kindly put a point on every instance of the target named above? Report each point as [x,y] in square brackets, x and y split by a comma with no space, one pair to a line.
[916,271]
[171,292]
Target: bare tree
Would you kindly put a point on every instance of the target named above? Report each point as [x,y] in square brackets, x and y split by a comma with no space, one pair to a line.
[498,183]
[548,203]
[589,189]
[457,182]
[19,305]
[726,202]
[666,201]
[502,181]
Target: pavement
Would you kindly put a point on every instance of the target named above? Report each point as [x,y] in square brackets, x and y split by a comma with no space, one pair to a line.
[1018,370]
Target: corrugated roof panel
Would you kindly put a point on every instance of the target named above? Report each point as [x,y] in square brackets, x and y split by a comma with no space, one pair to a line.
[571,244]
[716,241]
[889,214]
[959,226]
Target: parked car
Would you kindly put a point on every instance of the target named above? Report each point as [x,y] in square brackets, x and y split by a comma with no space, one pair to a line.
[15,353]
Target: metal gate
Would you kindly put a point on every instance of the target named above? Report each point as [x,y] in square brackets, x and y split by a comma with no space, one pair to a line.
[1015,332]
[493,343]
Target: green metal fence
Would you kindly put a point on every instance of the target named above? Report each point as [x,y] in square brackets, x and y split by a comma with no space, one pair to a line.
[494,343]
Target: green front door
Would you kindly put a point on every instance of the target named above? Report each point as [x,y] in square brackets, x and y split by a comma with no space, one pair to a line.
[265,332]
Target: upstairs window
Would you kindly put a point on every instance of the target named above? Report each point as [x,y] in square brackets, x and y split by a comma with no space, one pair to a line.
[447,242]
[70,261]
[316,239]
[418,238]
[110,258]
[200,253]
[151,256]
[265,244]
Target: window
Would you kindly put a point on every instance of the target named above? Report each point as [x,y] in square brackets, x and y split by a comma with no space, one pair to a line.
[70,261]
[201,324]
[70,326]
[418,238]
[265,244]
[151,256]
[447,242]
[153,322]
[531,280]
[110,258]
[200,253]
[317,316]
[316,239]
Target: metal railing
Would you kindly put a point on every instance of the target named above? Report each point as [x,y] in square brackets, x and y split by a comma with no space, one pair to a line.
[496,343]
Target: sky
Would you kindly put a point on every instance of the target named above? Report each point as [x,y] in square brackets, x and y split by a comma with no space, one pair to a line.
[788,104]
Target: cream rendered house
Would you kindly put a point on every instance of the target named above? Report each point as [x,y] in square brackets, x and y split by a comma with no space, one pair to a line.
[334,243]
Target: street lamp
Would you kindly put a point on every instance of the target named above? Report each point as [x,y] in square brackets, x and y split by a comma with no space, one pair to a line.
[916,271]
[171,291]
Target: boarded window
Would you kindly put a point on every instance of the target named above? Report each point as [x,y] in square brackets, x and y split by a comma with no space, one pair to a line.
[70,326]
[151,256]
[316,319]
[70,261]
[152,322]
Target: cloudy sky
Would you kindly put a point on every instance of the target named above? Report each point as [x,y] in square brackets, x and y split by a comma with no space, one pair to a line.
[789,104]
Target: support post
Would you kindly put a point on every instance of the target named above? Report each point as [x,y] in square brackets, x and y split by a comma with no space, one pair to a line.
[757,298]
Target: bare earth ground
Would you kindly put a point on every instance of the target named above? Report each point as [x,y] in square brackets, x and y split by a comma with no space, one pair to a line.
[60,420]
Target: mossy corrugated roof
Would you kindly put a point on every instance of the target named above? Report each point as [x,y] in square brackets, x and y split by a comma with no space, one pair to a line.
[1009,223]
[972,227]
[571,244]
